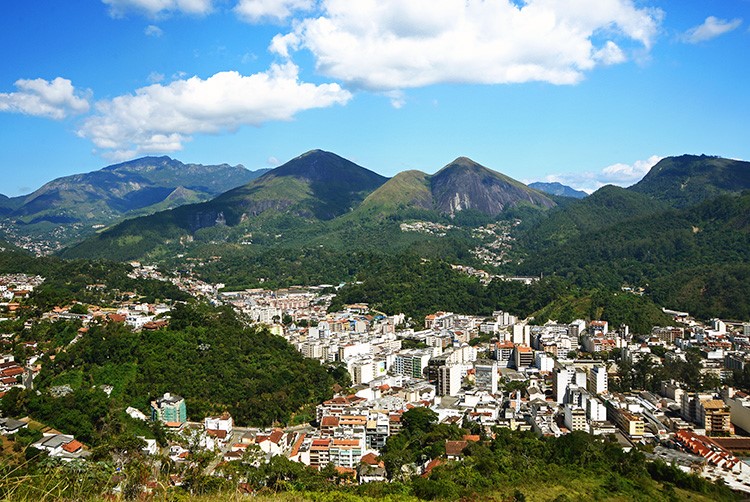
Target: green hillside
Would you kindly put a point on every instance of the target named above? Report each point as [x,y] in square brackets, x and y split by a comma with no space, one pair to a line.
[689,179]
[605,207]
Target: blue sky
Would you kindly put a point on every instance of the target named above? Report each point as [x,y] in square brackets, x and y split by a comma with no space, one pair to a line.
[586,92]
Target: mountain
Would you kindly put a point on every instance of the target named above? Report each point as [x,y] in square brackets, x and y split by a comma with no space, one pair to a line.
[690,179]
[558,189]
[464,184]
[461,185]
[315,187]
[106,195]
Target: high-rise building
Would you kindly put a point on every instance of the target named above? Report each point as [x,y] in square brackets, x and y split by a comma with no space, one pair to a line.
[598,380]
[449,380]
[486,375]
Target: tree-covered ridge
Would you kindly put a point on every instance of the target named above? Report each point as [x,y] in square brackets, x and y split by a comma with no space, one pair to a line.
[206,355]
[679,254]
[418,287]
[690,179]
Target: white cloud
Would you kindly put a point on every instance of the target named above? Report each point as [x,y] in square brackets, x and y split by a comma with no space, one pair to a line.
[153,31]
[154,8]
[712,27]
[396,44]
[155,77]
[616,174]
[160,118]
[254,11]
[54,99]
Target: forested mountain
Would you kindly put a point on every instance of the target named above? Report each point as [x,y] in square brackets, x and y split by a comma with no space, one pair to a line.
[689,179]
[605,207]
[68,209]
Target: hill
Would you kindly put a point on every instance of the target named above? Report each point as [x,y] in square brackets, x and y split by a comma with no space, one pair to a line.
[558,189]
[690,179]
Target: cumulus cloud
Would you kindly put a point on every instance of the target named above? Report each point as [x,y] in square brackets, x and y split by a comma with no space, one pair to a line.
[54,99]
[153,31]
[393,44]
[154,8]
[254,11]
[160,118]
[616,174]
[712,27]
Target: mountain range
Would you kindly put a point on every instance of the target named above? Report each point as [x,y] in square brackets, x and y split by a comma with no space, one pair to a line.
[320,211]
[128,189]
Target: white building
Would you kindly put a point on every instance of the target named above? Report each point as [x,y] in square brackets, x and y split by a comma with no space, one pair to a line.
[598,380]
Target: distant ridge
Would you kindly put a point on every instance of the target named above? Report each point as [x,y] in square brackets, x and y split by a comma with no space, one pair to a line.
[555,188]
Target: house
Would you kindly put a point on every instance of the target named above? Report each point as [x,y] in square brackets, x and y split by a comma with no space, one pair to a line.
[221,423]
[271,444]
[454,449]
[10,426]
[62,446]
[371,469]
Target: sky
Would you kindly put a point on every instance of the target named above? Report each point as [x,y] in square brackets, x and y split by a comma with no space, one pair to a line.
[584,92]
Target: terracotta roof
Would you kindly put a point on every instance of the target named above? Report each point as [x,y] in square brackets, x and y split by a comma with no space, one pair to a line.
[329,421]
[454,448]
[73,446]
[219,433]
[346,442]
[471,437]
[430,466]
[372,459]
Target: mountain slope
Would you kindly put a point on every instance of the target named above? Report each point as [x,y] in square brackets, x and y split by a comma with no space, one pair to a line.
[690,179]
[105,195]
[316,186]
[461,185]
[692,258]
[464,184]
[606,207]
[558,189]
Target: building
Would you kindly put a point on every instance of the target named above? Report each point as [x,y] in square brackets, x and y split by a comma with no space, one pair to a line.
[170,409]
[575,418]
[486,375]
[598,380]
[714,415]
[630,424]
[523,356]
[411,362]
[449,380]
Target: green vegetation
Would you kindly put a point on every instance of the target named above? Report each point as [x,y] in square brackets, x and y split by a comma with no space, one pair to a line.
[690,179]
[205,355]
[417,287]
